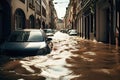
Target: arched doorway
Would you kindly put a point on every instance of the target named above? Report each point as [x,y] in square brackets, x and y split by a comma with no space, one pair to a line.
[5,20]
[19,19]
[32,21]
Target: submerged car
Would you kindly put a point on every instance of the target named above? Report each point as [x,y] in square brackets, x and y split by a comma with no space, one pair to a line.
[49,32]
[73,32]
[27,42]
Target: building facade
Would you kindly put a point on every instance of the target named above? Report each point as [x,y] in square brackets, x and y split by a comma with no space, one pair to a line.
[28,14]
[107,21]
[21,14]
[5,19]
[97,19]
[117,18]
[60,24]
[53,16]
[68,19]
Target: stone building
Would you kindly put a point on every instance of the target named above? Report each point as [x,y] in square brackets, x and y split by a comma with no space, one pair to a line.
[5,19]
[107,21]
[60,24]
[28,13]
[53,15]
[68,19]
[97,19]
[21,14]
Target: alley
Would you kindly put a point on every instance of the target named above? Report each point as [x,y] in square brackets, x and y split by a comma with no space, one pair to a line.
[72,58]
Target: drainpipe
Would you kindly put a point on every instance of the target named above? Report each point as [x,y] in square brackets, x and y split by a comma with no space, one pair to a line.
[115,25]
[41,14]
[35,14]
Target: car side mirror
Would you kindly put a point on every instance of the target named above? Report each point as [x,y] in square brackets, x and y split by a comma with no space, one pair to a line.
[49,39]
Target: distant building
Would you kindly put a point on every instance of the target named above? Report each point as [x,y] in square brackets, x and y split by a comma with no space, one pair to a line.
[60,24]
[53,15]
[68,19]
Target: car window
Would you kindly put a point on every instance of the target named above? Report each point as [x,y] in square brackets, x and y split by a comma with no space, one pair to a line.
[49,31]
[45,30]
[26,36]
[16,36]
[35,36]
[73,31]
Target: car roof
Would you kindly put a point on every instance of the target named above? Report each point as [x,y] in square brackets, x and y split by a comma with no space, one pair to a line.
[32,30]
[29,30]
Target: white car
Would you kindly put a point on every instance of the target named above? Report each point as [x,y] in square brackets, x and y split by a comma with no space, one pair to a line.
[73,32]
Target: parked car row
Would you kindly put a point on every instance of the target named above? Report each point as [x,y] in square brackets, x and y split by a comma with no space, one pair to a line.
[71,32]
[27,42]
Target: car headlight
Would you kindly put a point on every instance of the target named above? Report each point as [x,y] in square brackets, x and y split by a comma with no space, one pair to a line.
[43,45]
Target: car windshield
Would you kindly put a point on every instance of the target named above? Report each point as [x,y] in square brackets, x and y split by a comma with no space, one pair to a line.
[73,31]
[26,36]
[49,31]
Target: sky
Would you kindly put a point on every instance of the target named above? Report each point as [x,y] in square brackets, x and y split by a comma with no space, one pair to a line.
[61,7]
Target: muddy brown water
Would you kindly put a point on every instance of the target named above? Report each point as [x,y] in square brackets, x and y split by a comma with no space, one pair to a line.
[71,59]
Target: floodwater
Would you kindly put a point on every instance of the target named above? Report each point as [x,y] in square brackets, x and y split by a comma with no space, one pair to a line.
[72,58]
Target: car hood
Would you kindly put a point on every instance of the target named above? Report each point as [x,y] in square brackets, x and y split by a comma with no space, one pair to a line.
[23,45]
[49,34]
[73,33]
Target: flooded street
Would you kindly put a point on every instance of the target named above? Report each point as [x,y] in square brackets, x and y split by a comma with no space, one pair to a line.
[72,58]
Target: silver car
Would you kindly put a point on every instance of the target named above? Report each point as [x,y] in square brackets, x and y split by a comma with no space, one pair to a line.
[27,42]
[49,32]
[73,32]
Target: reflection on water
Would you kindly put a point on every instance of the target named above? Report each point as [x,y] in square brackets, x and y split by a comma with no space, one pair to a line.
[72,58]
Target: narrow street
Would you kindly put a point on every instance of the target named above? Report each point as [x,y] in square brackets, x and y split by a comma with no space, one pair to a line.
[72,58]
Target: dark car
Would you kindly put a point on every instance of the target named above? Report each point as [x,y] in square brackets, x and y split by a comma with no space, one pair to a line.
[27,42]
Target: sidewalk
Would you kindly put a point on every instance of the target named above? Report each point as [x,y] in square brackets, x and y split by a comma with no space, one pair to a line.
[95,61]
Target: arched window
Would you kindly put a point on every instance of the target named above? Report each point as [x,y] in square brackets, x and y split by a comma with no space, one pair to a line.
[19,19]
[32,21]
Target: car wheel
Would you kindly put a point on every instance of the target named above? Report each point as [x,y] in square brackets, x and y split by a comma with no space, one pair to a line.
[40,52]
[50,45]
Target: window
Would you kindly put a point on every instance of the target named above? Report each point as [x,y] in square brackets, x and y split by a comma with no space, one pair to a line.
[22,1]
[31,4]
[43,11]
[19,19]
[38,9]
